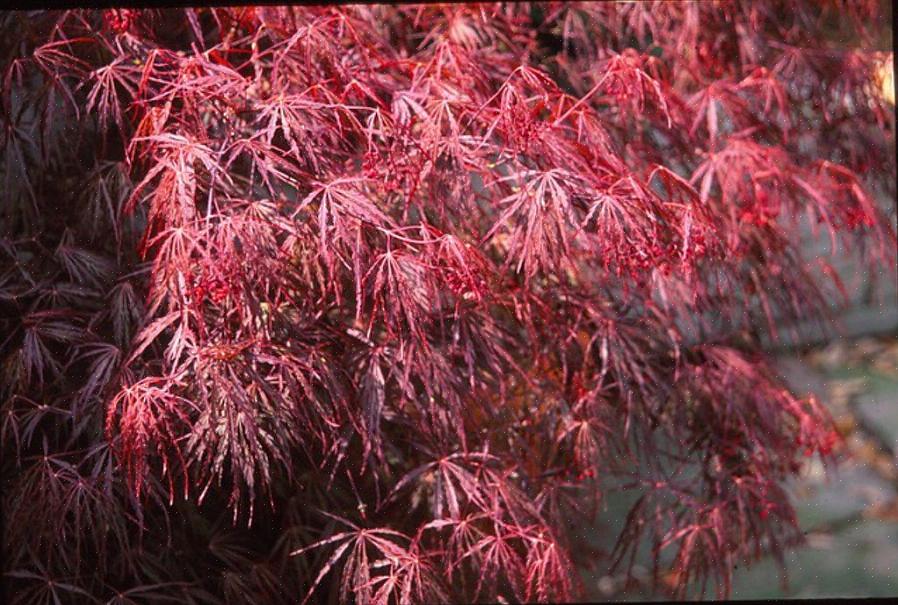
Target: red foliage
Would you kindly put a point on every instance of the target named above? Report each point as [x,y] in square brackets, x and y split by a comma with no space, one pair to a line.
[448,273]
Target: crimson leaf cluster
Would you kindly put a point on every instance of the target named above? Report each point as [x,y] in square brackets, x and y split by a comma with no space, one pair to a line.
[368,304]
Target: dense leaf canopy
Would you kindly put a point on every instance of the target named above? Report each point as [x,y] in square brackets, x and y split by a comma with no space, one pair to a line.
[371,304]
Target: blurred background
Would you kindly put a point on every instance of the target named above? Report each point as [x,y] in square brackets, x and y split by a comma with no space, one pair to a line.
[849,514]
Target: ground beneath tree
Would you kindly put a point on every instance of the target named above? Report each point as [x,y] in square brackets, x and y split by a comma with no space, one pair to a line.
[850,517]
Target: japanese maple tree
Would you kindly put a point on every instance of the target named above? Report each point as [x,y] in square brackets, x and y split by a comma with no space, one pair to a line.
[372,304]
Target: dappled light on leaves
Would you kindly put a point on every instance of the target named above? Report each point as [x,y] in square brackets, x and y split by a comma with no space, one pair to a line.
[373,304]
